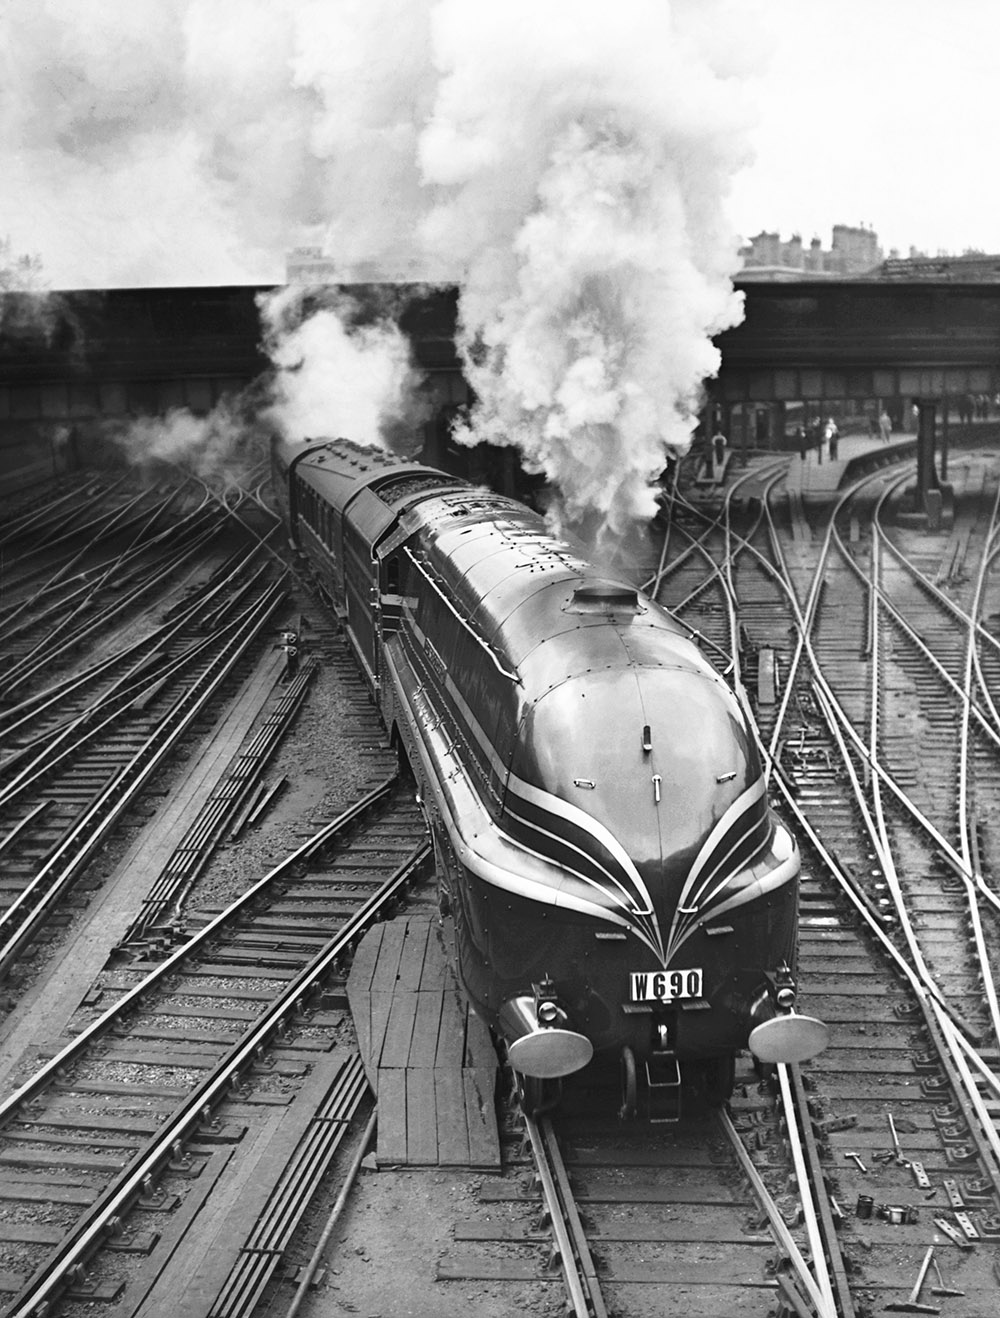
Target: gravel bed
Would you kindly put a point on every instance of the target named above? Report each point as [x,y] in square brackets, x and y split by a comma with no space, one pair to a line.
[325,773]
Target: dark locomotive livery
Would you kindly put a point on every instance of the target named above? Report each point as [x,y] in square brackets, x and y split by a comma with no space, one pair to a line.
[596,798]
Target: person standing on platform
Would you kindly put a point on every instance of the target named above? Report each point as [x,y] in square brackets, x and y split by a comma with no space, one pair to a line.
[832,437]
[885,425]
[718,449]
[290,645]
[816,433]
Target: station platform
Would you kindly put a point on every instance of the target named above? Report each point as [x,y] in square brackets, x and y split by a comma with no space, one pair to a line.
[817,477]
[429,1059]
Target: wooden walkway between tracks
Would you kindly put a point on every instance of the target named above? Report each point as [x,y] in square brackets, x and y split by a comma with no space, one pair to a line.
[430,1061]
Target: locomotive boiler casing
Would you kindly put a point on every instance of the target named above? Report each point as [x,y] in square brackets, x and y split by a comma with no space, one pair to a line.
[592,785]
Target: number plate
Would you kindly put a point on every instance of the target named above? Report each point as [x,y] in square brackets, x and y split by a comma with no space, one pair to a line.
[665,985]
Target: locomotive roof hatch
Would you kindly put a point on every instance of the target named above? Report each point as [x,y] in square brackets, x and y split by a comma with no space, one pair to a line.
[604,597]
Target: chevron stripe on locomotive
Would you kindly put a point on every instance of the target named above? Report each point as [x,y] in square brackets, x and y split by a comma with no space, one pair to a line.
[617,881]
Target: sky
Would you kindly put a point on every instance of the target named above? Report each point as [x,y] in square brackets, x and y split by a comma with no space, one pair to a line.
[878,112]
[196,141]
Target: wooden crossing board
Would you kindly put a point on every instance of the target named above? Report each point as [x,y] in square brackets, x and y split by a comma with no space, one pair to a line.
[429,1059]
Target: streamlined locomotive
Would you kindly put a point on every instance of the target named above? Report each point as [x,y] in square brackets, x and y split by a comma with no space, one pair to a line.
[595,795]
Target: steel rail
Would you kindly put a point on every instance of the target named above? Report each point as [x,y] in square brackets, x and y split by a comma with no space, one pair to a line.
[715,575]
[350,1176]
[961,863]
[962,694]
[921,973]
[954,1049]
[72,1051]
[23,917]
[72,528]
[975,887]
[880,833]
[970,665]
[968,621]
[829,700]
[820,1227]
[948,1037]
[18,526]
[581,1245]
[572,1252]
[266,1246]
[981,679]
[88,1233]
[935,1008]
[803,1173]
[197,519]
[834,1265]
[805,622]
[936,1012]
[818,1220]
[164,900]
[783,1237]
[43,653]
[100,571]
[938,595]
[74,735]
[946,849]
[32,706]
[766,472]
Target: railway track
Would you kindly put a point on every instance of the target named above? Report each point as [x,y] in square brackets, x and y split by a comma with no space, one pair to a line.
[66,784]
[907,1073]
[243,994]
[639,1220]
[823,1188]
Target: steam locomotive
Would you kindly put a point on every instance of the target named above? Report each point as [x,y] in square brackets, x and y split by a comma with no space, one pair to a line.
[595,795]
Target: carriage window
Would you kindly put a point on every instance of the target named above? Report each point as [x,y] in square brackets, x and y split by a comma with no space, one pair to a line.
[392,575]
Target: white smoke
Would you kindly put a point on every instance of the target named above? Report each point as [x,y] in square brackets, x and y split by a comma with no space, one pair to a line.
[336,375]
[164,142]
[587,181]
[223,448]
[566,161]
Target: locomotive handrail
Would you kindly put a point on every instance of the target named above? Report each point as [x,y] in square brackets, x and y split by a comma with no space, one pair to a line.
[481,640]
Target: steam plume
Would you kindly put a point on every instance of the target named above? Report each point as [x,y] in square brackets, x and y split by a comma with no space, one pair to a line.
[338,371]
[565,162]
[586,184]
[226,446]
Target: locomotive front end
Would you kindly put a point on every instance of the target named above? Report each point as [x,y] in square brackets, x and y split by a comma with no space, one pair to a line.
[673,930]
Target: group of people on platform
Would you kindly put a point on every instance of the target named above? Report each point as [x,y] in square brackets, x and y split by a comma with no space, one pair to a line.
[823,437]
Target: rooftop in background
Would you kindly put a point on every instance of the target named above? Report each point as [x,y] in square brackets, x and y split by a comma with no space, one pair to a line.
[855,254]
[853,251]
[316,268]
[971,268]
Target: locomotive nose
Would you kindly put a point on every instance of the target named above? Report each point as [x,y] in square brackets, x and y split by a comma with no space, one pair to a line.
[544,1050]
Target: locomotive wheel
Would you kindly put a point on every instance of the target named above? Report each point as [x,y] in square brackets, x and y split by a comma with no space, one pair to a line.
[535,1095]
[719,1076]
[767,1072]
[629,1086]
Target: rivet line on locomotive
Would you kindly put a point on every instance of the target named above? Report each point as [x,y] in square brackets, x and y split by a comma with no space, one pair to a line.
[595,796]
